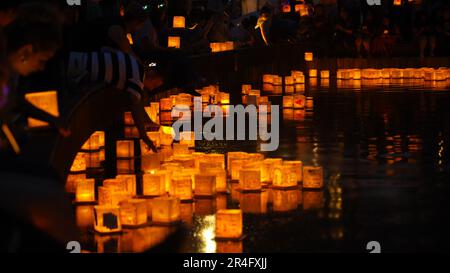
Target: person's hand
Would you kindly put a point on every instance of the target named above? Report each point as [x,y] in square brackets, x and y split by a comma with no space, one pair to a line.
[150,145]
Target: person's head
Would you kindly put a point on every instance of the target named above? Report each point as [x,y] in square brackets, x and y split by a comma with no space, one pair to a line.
[8,10]
[135,16]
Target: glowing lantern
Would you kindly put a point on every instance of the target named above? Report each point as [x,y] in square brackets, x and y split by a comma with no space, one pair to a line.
[418,73]
[397,2]
[125,166]
[312,177]
[179,22]
[205,185]
[302,9]
[154,184]
[229,224]
[173,42]
[235,167]
[250,179]
[284,177]
[181,187]
[115,184]
[309,56]
[309,102]
[386,73]
[408,73]
[107,219]
[286,8]
[85,190]
[180,149]
[299,101]
[246,89]
[71,181]
[186,161]
[356,74]
[267,168]
[284,200]
[324,74]
[298,168]
[290,89]
[229,45]
[233,156]
[299,79]
[167,135]
[133,213]
[440,75]
[313,73]
[155,137]
[223,46]
[288,101]
[84,216]
[187,138]
[215,47]
[221,178]
[128,119]
[277,80]
[229,247]
[429,75]
[79,163]
[370,73]
[268,78]
[299,88]
[165,210]
[224,98]
[289,80]
[125,148]
[92,144]
[47,101]
[165,104]
[93,160]
[130,183]
[396,73]
[130,39]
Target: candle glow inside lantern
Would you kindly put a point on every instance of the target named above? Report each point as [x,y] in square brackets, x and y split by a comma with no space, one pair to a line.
[386,73]
[298,167]
[92,144]
[180,149]
[234,156]
[309,56]
[288,80]
[129,182]
[154,184]
[288,101]
[85,190]
[312,177]
[229,224]
[71,181]
[174,42]
[79,163]
[289,89]
[313,73]
[125,166]
[179,22]
[267,78]
[396,73]
[246,89]
[205,185]
[181,187]
[165,210]
[277,80]
[250,179]
[125,148]
[325,74]
[221,178]
[299,101]
[236,166]
[166,104]
[284,177]
[187,138]
[133,212]
[47,101]
[397,2]
[166,135]
[128,119]
[286,8]
[93,160]
[267,168]
[107,219]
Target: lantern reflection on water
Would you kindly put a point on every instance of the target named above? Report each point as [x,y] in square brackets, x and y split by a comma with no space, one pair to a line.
[85,190]
[229,224]
[284,200]
[107,219]
[312,200]
[250,179]
[133,212]
[288,101]
[165,210]
[312,177]
[84,216]
[254,203]
[229,247]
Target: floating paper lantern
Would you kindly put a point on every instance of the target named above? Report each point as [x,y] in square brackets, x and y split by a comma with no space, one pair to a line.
[166,104]
[299,79]
[107,219]
[290,89]
[180,149]
[288,101]
[298,167]
[167,135]
[302,9]
[429,75]
[130,182]
[312,177]
[309,56]
[133,212]
[246,89]
[79,163]
[371,73]
[186,161]
[229,224]
[396,73]
[181,187]
[229,247]
[236,166]
[93,143]
[300,88]
[187,138]
[154,184]
[440,75]
[267,168]
[233,156]
[155,137]
[284,177]
[215,47]
[71,181]
[286,8]
[277,80]
[289,80]
[165,210]
[229,45]
[125,166]
[85,190]
[173,42]
[128,119]
[221,178]
[408,73]
[267,78]
[324,74]
[47,101]
[356,74]
[125,148]
[250,179]
[397,2]
[309,102]
[313,73]
[93,160]
[115,184]
[205,185]
[299,101]
[179,22]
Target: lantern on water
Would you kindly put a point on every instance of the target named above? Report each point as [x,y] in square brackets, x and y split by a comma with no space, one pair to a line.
[277,80]
[133,212]
[302,9]
[246,89]
[224,98]
[181,187]
[165,104]
[286,8]
[288,80]
[130,182]
[84,216]
[289,89]
[179,22]
[236,166]
[107,219]
[223,46]
[397,2]
[429,75]
[221,178]
[92,144]
[125,148]
[325,74]
[233,156]
[396,73]
[187,138]
[386,73]
[313,73]
[71,181]
[205,185]
[128,119]
[267,168]
[167,135]
[180,149]
[229,224]
[288,101]
[173,42]
[408,73]
[229,45]
[79,163]
[215,47]
[300,88]
[312,177]
[47,101]
[309,56]
[267,78]
[165,210]
[155,137]
[250,179]
[154,184]
[284,177]
[299,101]
[186,161]
[440,75]
[309,102]
[298,168]
[125,166]
[299,79]
[356,74]
[370,73]
[85,190]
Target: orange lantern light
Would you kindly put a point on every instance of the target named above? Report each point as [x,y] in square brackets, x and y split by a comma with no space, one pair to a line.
[181,187]
[133,213]
[289,80]
[130,182]
[313,73]
[85,190]
[167,135]
[286,8]
[299,101]
[47,101]
[221,178]
[154,184]
[309,56]
[229,224]
[267,78]
[179,22]
[312,177]
[205,185]
[298,168]
[124,148]
[107,219]
[284,177]
[288,101]
[165,210]
[325,74]
[173,42]
[267,168]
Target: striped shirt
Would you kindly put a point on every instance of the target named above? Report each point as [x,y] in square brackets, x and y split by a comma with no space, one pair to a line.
[116,68]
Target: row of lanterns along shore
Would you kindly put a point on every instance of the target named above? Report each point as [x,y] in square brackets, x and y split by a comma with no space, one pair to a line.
[178,174]
[174,40]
